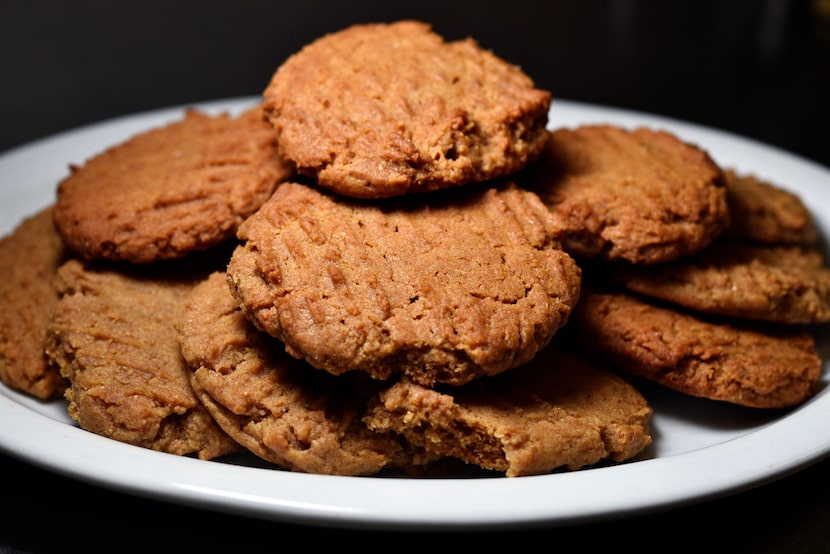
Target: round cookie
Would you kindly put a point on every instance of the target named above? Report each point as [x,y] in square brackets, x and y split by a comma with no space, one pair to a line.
[783,284]
[775,367]
[764,213]
[170,190]
[639,195]
[113,337]
[29,258]
[444,287]
[280,409]
[380,110]
[557,411]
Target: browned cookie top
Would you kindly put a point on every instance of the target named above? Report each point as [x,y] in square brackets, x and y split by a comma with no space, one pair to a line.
[559,410]
[762,212]
[638,195]
[170,190]
[113,337]
[752,366]
[29,257]
[784,284]
[379,110]
[444,287]
[281,409]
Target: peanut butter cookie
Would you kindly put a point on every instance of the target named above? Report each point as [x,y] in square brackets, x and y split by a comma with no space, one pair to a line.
[765,213]
[784,284]
[558,411]
[113,336]
[444,287]
[29,258]
[640,195]
[171,190]
[279,408]
[380,110]
[755,366]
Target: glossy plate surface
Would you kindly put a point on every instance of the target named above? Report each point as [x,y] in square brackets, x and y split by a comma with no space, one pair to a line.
[701,449]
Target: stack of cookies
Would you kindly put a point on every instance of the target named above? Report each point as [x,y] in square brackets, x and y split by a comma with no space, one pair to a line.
[696,277]
[391,264]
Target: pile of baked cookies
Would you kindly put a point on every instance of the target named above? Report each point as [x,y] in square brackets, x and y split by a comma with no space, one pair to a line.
[396,264]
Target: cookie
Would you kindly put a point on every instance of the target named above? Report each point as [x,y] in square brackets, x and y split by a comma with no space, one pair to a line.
[379,110]
[558,411]
[642,195]
[171,190]
[444,287]
[783,284]
[29,257]
[113,336]
[754,366]
[765,213]
[278,407]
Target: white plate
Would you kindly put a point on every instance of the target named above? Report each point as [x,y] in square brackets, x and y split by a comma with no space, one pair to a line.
[701,449]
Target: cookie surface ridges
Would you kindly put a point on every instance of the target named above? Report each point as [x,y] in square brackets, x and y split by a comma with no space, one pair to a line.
[380,110]
[172,190]
[113,336]
[642,195]
[281,410]
[458,284]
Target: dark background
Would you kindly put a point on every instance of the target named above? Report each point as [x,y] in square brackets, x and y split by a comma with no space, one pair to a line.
[755,67]
[760,69]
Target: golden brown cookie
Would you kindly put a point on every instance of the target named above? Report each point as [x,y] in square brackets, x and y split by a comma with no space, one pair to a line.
[379,110]
[764,213]
[282,410]
[29,257]
[558,411]
[762,367]
[170,190]
[444,287]
[784,284]
[113,337]
[639,195]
